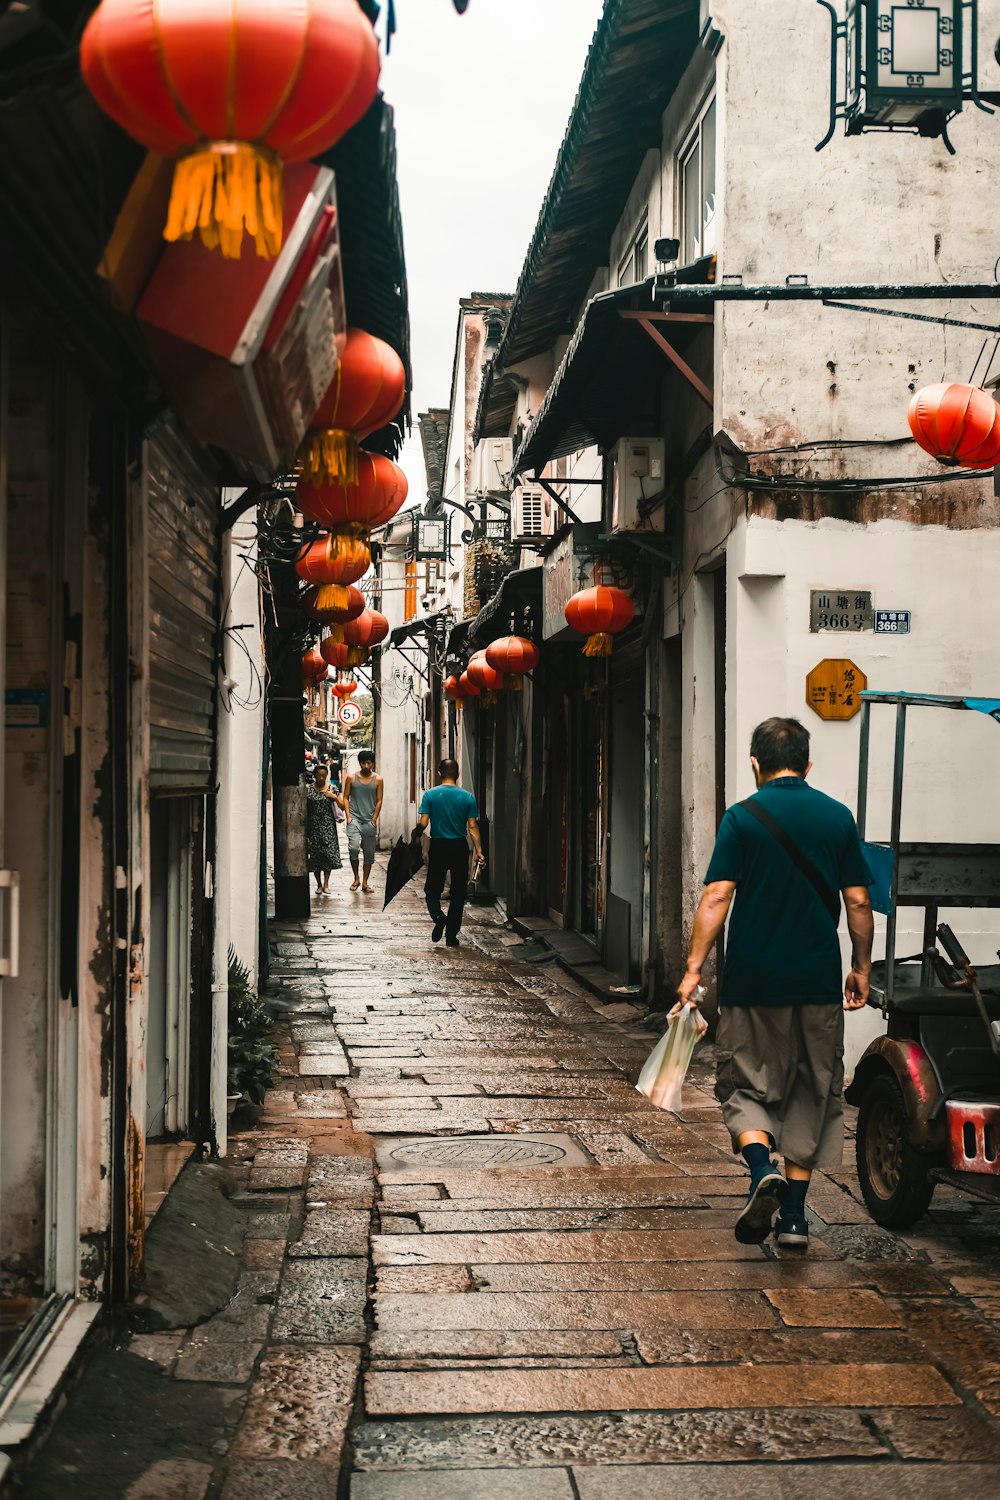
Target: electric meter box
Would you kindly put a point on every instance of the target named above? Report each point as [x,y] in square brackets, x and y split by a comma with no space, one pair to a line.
[637,478]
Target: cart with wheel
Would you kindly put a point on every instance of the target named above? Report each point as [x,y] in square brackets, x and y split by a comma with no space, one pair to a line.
[928,1091]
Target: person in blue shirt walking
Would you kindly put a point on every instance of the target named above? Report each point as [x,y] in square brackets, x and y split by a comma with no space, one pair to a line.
[452,814]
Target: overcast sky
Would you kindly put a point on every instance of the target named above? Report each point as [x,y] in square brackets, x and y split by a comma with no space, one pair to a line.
[481,104]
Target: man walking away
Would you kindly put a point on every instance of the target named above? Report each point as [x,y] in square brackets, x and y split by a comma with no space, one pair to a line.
[785,854]
[451,812]
[362,805]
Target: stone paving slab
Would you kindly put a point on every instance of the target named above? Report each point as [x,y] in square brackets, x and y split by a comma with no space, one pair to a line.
[280,1479]
[464,1484]
[570,1310]
[693,1389]
[718,1437]
[172,1479]
[299,1405]
[804,1307]
[584,1276]
[587,1245]
[784,1482]
[321,1302]
[333,1232]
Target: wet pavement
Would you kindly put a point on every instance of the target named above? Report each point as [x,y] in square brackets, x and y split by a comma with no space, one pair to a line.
[479,1264]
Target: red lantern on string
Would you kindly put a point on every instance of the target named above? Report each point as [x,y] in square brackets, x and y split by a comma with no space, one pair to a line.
[231,91]
[380,628]
[957,424]
[486,677]
[354,607]
[379,491]
[344,687]
[513,656]
[453,687]
[313,664]
[359,637]
[469,688]
[334,653]
[334,562]
[599,613]
[365,394]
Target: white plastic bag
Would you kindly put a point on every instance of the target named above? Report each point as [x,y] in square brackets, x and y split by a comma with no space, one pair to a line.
[664,1071]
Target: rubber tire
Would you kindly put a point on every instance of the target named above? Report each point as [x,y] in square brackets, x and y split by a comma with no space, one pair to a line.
[899,1205]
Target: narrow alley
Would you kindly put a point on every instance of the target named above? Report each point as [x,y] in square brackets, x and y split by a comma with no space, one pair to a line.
[477,1263]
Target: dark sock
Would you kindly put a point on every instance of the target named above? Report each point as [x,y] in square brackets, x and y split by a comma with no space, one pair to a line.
[795,1198]
[758,1158]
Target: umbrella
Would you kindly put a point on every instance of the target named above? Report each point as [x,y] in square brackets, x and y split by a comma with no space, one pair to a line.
[404,862]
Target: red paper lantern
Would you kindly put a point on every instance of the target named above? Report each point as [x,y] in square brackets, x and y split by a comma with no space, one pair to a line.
[957,424]
[599,613]
[365,394]
[469,688]
[360,631]
[453,687]
[483,675]
[333,562]
[231,90]
[344,687]
[380,628]
[379,492]
[334,652]
[513,655]
[354,607]
[313,664]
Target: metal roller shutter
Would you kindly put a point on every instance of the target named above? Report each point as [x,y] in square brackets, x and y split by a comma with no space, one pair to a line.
[183,548]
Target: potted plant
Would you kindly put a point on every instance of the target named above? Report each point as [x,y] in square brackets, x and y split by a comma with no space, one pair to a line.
[253,1060]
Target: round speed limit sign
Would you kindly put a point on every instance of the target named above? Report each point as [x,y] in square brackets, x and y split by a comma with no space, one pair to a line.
[349,714]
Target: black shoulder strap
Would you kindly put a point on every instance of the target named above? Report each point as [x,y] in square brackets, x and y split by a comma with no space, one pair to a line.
[802,862]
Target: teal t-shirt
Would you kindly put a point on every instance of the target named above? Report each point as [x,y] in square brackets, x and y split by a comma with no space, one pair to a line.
[782,947]
[449,809]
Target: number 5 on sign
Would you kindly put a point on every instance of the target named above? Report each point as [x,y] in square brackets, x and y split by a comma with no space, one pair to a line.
[834,688]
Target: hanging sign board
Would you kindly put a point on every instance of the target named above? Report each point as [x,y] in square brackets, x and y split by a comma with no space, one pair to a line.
[834,688]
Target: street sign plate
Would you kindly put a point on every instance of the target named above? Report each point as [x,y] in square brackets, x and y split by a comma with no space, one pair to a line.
[892,622]
[834,688]
[840,609]
[349,714]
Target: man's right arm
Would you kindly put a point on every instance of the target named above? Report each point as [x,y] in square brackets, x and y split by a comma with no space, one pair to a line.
[476,840]
[861,925]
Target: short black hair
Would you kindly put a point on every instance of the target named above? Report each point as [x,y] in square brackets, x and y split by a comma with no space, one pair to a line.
[448,770]
[366,755]
[780,745]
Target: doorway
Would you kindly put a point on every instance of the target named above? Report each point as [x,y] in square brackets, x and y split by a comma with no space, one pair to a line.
[169,1034]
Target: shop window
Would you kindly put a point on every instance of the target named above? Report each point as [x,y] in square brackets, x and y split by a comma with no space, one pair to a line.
[410,590]
[697,188]
[633,266]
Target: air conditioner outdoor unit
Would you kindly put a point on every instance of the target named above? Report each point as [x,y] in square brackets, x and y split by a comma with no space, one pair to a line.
[638,475]
[495,459]
[531,514]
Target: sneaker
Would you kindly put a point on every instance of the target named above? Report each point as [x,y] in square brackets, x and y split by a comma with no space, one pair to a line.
[792,1231]
[766,1193]
[453,943]
[438,932]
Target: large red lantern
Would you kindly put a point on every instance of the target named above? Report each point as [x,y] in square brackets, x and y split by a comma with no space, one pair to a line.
[355,605]
[231,90]
[365,394]
[469,688]
[453,688]
[380,628]
[313,664]
[375,497]
[957,424]
[486,678]
[599,613]
[333,562]
[334,653]
[513,656]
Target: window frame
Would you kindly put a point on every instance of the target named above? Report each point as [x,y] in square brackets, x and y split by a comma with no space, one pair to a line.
[692,146]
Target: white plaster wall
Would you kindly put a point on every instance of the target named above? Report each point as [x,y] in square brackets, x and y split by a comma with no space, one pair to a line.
[879,208]
[241,734]
[951,582]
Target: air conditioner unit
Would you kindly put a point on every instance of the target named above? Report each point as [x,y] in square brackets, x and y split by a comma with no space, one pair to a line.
[494,461]
[531,514]
[637,476]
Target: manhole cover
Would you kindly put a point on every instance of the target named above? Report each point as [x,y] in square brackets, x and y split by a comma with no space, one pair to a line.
[471,1151]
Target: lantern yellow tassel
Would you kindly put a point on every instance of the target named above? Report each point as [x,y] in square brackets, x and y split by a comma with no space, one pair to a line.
[330,456]
[333,596]
[336,633]
[356,656]
[224,189]
[515,682]
[598,645]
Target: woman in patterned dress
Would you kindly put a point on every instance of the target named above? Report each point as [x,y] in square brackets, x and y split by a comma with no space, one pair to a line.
[322,841]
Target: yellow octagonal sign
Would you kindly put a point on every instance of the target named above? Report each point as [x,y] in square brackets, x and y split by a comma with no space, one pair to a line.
[834,688]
